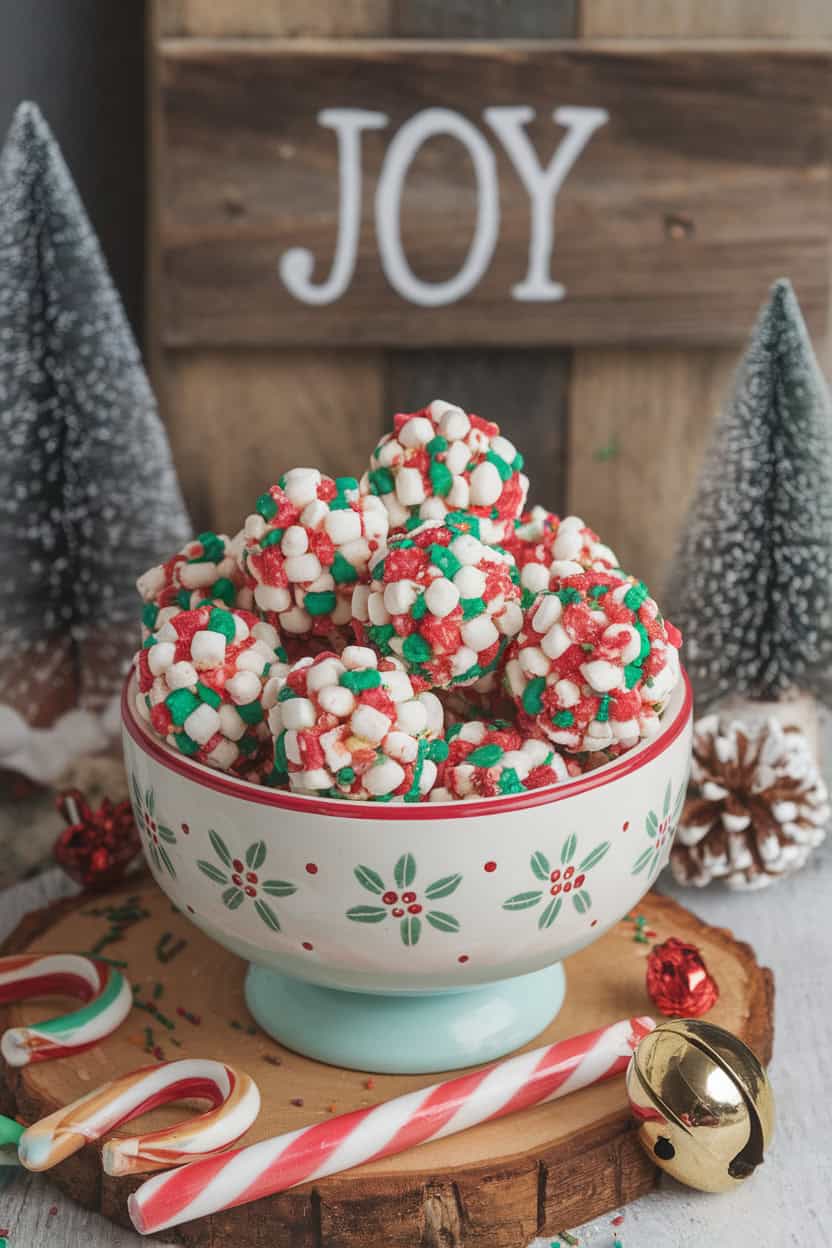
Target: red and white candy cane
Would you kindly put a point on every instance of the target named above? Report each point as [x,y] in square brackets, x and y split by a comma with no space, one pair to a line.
[233,1095]
[103,990]
[273,1165]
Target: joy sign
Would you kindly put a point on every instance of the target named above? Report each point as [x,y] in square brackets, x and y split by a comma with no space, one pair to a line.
[541,184]
[410,194]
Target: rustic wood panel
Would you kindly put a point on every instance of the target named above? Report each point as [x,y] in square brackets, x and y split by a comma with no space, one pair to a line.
[639,422]
[722,19]
[241,418]
[478,19]
[659,228]
[526,392]
[287,19]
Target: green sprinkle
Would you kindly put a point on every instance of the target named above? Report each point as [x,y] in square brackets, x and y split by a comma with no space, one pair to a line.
[281,765]
[272,538]
[494,513]
[358,681]
[632,674]
[220,621]
[636,595]
[377,570]
[417,611]
[321,603]
[500,464]
[286,694]
[526,599]
[342,570]
[346,775]
[436,445]
[266,506]
[149,614]
[181,703]
[645,641]
[486,755]
[563,719]
[250,712]
[379,635]
[185,743]
[224,590]
[603,712]
[472,607]
[533,696]
[416,649]
[438,751]
[441,478]
[453,732]
[444,559]
[381,481]
[598,591]
[569,595]
[510,782]
[208,695]
[183,599]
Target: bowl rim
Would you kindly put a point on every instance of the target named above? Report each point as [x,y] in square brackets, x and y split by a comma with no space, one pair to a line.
[281,799]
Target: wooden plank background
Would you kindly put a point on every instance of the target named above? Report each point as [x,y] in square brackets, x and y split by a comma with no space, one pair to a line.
[614,434]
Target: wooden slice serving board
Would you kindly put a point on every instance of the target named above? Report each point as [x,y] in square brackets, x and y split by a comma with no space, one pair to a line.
[495,1186]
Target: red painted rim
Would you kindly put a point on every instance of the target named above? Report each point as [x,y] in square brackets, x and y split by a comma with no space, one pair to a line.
[245,791]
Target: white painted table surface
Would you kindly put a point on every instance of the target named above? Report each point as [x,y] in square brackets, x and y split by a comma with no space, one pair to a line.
[788,1202]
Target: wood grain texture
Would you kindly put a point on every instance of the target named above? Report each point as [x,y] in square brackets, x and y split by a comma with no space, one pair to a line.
[639,423]
[477,19]
[287,19]
[497,1184]
[238,419]
[526,392]
[720,19]
[660,237]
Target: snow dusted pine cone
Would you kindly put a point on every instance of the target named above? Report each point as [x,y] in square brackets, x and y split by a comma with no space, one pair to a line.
[547,548]
[442,459]
[756,805]
[441,600]
[206,678]
[352,726]
[593,665]
[305,547]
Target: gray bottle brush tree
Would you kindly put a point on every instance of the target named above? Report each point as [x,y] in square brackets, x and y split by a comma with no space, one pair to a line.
[88,493]
[751,583]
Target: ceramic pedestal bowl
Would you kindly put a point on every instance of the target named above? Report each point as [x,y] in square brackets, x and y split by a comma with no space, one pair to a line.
[407,938]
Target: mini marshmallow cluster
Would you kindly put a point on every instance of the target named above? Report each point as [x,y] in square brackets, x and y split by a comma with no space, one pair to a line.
[413,636]
[594,664]
[443,459]
[206,678]
[305,546]
[547,548]
[206,569]
[490,759]
[442,600]
[352,726]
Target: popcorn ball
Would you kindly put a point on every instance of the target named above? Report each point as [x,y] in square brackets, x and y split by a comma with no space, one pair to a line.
[353,727]
[206,679]
[306,545]
[203,570]
[594,664]
[547,548]
[492,759]
[441,600]
[442,459]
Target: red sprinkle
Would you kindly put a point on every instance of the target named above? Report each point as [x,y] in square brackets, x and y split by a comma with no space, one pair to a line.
[296,1100]
[272,1060]
[617,1220]
[312,868]
[490,866]
[53,1209]
[369,1083]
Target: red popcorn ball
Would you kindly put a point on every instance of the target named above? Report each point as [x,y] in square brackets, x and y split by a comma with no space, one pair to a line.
[492,759]
[352,726]
[678,982]
[203,570]
[442,600]
[547,548]
[594,664]
[441,459]
[305,547]
[206,679]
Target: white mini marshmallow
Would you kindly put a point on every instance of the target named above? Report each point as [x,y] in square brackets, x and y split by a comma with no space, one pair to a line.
[401,746]
[533,662]
[272,598]
[556,642]
[182,675]
[453,422]
[343,526]
[376,609]
[399,597]
[301,485]
[370,724]
[298,713]
[223,756]
[411,717]
[325,672]
[441,596]
[295,621]
[383,777]
[202,723]
[486,485]
[358,656]
[479,633]
[417,431]
[459,495]
[548,612]
[468,550]
[336,700]
[410,489]
[627,637]
[510,621]
[456,458]
[567,693]
[295,541]
[197,575]
[160,657]
[302,567]
[602,676]
[464,659]
[470,582]
[505,449]
[243,687]
[534,577]
[207,648]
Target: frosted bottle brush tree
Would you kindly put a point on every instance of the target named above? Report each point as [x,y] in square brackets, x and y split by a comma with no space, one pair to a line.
[88,493]
[751,585]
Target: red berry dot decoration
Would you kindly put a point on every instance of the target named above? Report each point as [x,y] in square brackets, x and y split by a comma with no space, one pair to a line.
[251,877]
[594,923]
[251,892]
[567,888]
[414,909]
[185,829]
[579,879]
[463,957]
[311,868]
[625,825]
[408,897]
[237,864]
[555,889]
[237,879]
[308,946]
[555,876]
[398,913]
[489,866]
[389,898]
[568,873]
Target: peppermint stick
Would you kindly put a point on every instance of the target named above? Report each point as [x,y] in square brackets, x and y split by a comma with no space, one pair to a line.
[311,1153]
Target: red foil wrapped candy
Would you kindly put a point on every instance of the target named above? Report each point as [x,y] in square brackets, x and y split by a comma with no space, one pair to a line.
[678,982]
[97,846]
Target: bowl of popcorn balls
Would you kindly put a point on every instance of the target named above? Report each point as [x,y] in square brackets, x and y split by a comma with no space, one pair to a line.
[404,745]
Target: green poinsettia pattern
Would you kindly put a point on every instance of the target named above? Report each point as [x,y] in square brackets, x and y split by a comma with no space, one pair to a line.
[566,880]
[241,879]
[404,902]
[660,833]
[155,835]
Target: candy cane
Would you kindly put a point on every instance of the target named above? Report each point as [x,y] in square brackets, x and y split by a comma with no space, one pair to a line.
[273,1165]
[105,992]
[234,1096]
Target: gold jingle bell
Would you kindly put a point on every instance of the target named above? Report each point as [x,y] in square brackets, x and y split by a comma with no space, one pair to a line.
[703,1103]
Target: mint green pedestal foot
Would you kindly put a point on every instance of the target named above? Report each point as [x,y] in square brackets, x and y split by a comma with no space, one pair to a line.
[404,1035]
